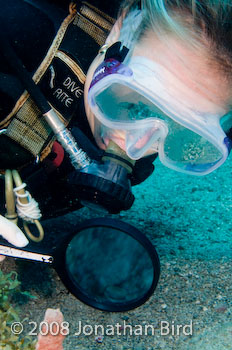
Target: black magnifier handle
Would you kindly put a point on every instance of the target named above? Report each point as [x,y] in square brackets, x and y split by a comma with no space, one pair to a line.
[78,157]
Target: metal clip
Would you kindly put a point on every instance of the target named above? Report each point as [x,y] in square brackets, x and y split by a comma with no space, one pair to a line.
[37,159]
[3,131]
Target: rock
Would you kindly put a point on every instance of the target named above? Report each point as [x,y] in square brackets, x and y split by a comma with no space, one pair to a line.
[125,318]
[221,308]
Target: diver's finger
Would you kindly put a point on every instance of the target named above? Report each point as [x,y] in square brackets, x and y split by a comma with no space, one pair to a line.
[12,233]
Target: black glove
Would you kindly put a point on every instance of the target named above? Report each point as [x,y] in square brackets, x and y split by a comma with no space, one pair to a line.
[143,168]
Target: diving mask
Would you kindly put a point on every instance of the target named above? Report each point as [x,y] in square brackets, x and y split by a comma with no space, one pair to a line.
[138,101]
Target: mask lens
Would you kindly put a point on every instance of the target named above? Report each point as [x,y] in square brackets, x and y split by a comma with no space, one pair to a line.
[128,110]
[186,150]
[148,128]
[120,104]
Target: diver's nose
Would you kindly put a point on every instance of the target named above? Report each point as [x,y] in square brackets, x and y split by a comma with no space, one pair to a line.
[140,141]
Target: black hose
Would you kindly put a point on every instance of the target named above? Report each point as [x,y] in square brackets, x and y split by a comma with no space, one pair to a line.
[22,74]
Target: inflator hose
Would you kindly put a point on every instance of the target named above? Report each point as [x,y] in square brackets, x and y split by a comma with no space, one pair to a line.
[12,59]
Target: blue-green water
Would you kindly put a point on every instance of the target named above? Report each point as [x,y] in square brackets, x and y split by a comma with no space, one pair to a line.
[187,216]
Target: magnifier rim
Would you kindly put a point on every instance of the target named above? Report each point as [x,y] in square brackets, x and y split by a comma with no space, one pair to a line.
[60,264]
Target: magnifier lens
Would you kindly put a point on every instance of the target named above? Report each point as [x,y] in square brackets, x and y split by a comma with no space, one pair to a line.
[110,269]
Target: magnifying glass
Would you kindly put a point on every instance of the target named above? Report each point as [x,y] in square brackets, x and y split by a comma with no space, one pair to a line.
[106,263]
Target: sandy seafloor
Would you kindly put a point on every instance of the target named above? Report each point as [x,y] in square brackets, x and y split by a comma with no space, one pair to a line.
[188,219]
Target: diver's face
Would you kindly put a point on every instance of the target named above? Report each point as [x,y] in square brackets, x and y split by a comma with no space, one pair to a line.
[193,68]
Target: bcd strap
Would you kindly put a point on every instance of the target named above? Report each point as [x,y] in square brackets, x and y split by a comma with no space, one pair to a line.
[61,77]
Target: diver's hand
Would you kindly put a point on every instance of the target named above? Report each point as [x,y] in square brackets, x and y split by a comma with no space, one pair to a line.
[12,234]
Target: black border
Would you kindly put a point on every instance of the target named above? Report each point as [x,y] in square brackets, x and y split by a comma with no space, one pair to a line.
[59,263]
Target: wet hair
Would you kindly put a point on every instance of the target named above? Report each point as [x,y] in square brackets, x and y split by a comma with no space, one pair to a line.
[196,21]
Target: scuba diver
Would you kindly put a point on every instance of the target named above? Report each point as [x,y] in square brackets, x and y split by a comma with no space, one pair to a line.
[156,81]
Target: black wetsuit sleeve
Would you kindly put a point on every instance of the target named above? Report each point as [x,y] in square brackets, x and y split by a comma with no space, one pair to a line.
[143,168]
[31,32]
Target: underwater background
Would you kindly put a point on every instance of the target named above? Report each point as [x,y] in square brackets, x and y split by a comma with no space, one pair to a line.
[188,219]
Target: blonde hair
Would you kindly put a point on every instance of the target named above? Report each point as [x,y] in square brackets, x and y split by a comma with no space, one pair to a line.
[193,20]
